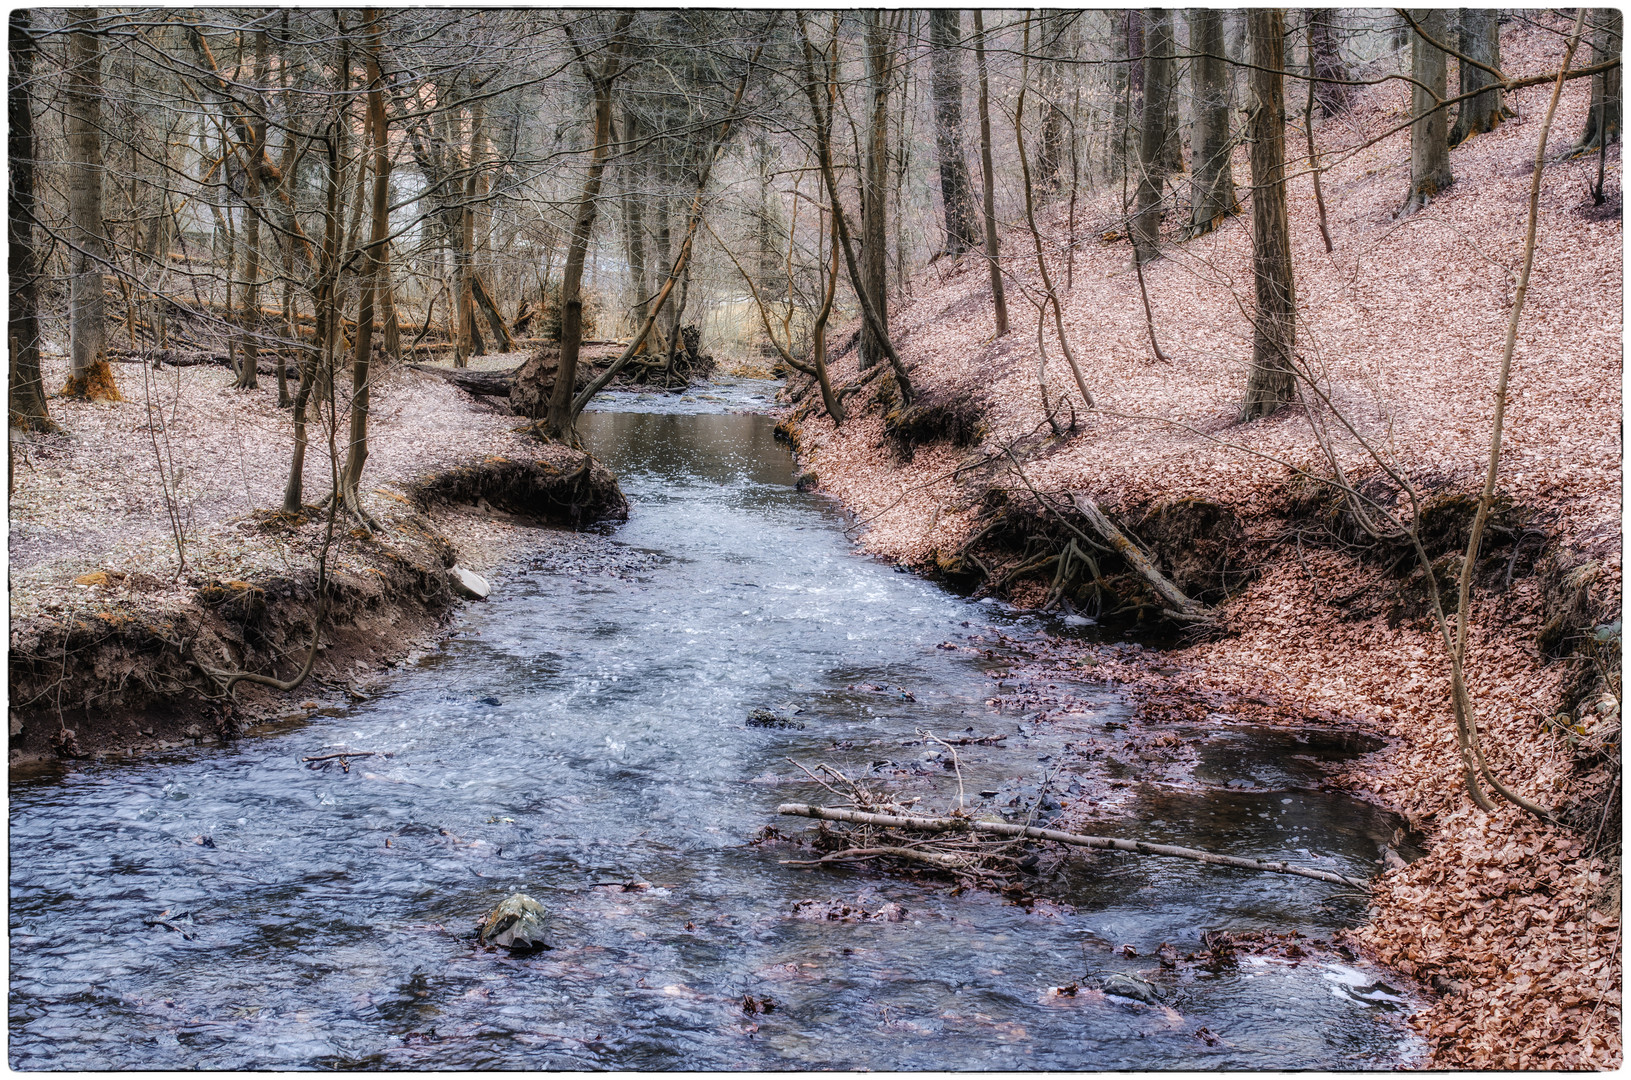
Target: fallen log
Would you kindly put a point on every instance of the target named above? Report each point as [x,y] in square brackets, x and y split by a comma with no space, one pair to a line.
[172,358]
[998,828]
[482,383]
[1186,608]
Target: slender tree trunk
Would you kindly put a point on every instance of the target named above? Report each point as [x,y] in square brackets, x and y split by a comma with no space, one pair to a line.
[667,327]
[1271,382]
[324,328]
[290,332]
[254,206]
[467,234]
[874,231]
[1153,136]
[822,118]
[1050,150]
[946,84]
[1429,130]
[988,180]
[1481,40]
[27,390]
[1214,182]
[634,224]
[369,277]
[1333,97]
[1134,115]
[558,424]
[89,375]
[1603,121]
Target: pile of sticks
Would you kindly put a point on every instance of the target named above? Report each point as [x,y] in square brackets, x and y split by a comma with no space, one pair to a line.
[977,852]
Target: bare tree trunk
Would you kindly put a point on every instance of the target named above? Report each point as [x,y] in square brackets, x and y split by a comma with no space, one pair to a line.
[1333,97]
[324,322]
[558,423]
[89,375]
[1429,130]
[946,84]
[284,401]
[1153,136]
[1481,40]
[634,224]
[874,232]
[469,335]
[1603,121]
[27,391]
[822,118]
[1214,182]
[988,180]
[1271,382]
[1050,150]
[368,276]
[254,206]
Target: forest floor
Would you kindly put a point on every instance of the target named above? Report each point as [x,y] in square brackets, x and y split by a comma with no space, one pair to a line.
[98,587]
[1509,925]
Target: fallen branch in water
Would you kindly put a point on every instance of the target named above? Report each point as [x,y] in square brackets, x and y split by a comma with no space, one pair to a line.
[996,828]
[345,758]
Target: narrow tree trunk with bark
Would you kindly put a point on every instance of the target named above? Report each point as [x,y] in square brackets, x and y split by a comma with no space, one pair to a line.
[1429,130]
[634,225]
[1213,196]
[558,423]
[946,84]
[1153,134]
[284,401]
[324,328]
[27,390]
[1050,150]
[88,374]
[1481,40]
[874,230]
[248,374]
[988,180]
[369,276]
[469,335]
[1271,381]
[1333,97]
[667,326]
[1603,121]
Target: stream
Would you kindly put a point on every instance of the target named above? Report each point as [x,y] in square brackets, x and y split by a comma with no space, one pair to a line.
[582,738]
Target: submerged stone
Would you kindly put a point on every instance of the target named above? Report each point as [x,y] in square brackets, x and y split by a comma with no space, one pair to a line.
[519,923]
[1129,986]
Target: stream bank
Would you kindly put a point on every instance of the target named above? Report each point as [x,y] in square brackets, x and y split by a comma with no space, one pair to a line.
[108,627]
[587,737]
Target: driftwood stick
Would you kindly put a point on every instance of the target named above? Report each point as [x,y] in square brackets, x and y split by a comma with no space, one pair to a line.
[1136,559]
[947,862]
[343,754]
[997,828]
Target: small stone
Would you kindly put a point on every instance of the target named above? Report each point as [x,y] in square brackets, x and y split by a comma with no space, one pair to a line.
[469,585]
[768,718]
[519,923]
[1127,986]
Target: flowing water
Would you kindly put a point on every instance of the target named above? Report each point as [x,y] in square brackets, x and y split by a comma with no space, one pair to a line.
[582,738]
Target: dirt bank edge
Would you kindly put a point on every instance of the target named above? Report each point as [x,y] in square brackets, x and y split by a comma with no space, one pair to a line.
[120,675]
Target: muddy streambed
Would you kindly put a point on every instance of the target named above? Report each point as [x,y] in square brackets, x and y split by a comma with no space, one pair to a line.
[582,738]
